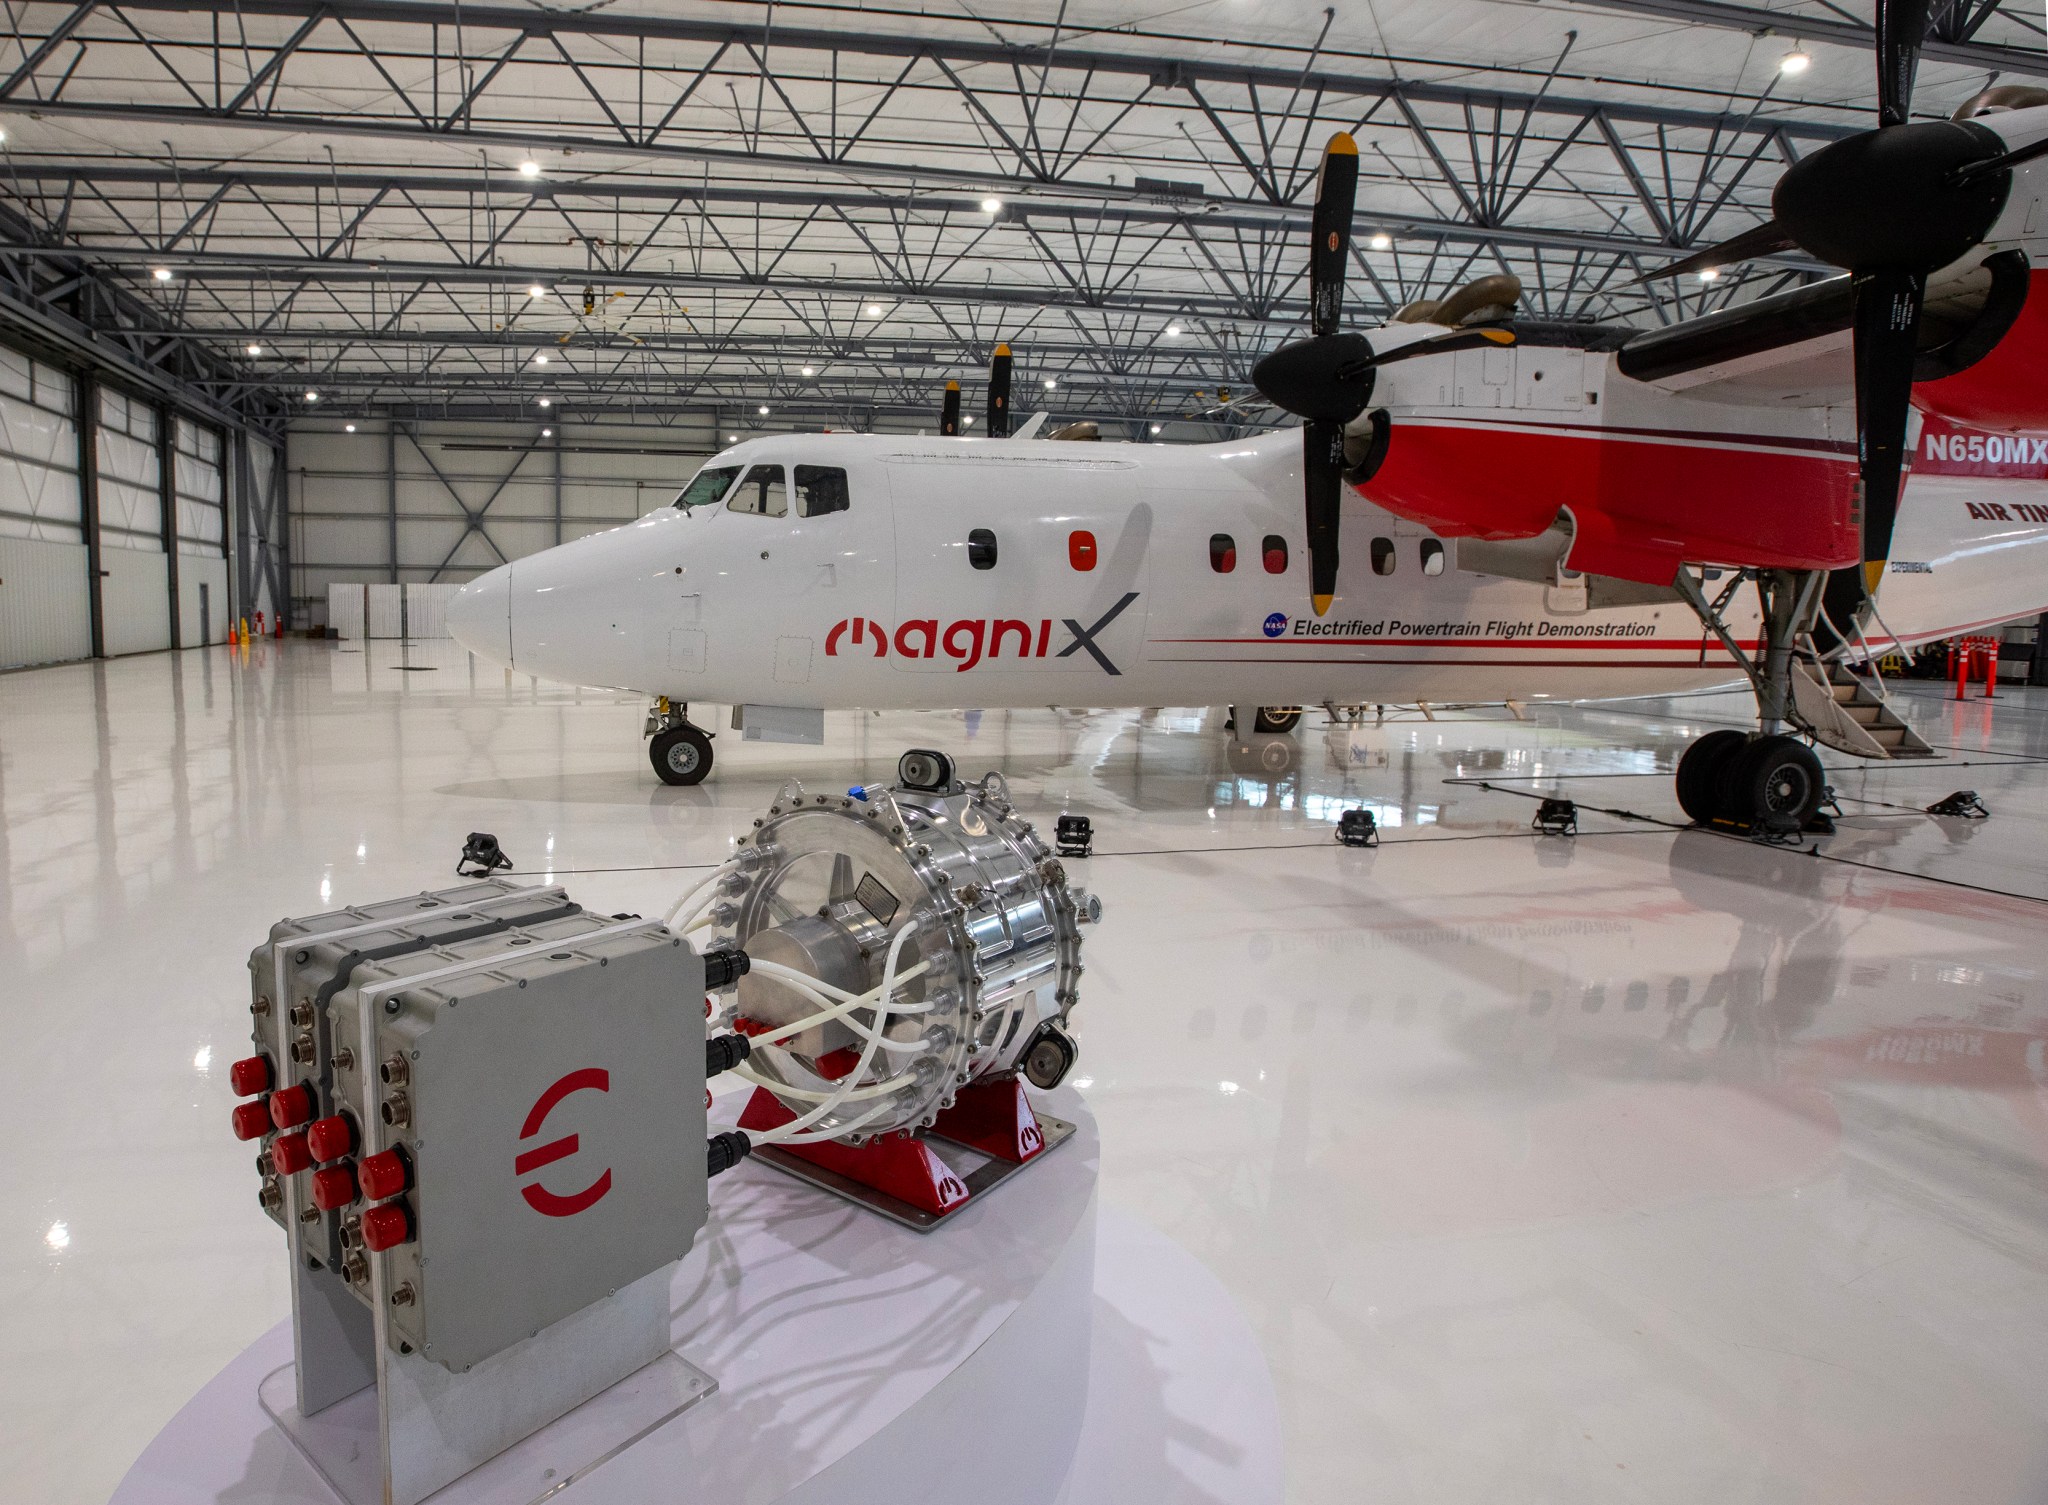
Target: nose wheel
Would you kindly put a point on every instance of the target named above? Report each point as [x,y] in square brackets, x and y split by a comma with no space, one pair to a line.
[1766,783]
[681,754]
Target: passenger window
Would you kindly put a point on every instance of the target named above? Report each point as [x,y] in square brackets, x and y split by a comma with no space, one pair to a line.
[707,486]
[821,489]
[981,549]
[1222,553]
[1432,557]
[1275,554]
[761,493]
[1081,549]
[1383,556]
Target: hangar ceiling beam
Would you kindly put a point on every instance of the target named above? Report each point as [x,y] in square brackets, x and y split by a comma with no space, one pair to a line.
[1951,38]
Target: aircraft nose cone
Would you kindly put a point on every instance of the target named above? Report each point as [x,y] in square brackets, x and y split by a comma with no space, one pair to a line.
[480,616]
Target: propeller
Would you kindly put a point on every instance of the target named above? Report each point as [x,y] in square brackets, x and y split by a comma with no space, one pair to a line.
[1327,379]
[999,393]
[1890,206]
[949,413]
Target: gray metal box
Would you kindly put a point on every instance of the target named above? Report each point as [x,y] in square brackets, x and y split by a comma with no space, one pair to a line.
[547,1087]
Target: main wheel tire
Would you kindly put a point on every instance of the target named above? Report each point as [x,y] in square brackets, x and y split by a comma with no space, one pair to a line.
[1775,781]
[1699,773]
[1277,718]
[680,755]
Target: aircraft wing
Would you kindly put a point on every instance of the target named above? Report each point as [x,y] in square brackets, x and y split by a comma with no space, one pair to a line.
[1793,349]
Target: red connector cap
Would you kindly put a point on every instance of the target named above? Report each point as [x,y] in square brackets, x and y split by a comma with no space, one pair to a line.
[334,1186]
[384,1174]
[291,1106]
[251,1120]
[332,1137]
[387,1227]
[250,1075]
[288,1153]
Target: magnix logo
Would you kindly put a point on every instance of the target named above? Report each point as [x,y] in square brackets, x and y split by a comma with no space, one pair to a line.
[539,1198]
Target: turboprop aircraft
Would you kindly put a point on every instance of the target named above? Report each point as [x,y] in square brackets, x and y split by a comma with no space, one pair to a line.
[1548,510]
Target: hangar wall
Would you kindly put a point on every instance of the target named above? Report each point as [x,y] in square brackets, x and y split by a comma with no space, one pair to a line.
[115,539]
[441,502]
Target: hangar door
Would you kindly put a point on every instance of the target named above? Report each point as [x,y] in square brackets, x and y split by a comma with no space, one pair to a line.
[202,537]
[45,594]
[135,568]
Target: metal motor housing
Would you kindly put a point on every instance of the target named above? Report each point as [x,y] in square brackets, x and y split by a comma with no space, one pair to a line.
[829,883]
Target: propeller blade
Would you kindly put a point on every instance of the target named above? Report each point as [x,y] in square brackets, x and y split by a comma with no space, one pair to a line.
[999,393]
[1761,240]
[949,413]
[1887,326]
[1322,454]
[1971,171]
[1901,28]
[1330,234]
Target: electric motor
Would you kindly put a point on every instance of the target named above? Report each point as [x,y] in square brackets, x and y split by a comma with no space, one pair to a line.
[905,942]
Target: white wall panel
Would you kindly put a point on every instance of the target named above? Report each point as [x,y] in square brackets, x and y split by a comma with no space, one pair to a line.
[426,610]
[386,611]
[45,616]
[202,510]
[130,493]
[347,611]
[135,601]
[38,452]
[208,573]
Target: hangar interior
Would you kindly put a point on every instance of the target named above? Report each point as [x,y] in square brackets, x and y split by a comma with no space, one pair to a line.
[1646,1163]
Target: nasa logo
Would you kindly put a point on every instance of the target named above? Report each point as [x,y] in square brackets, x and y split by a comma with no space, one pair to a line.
[539,1198]
[1276,624]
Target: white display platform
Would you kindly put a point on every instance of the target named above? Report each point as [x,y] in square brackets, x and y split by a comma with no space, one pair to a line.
[1017,1356]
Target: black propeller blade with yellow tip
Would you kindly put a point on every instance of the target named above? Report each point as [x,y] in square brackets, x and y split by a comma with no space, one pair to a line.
[1327,379]
[949,413]
[999,393]
[1889,205]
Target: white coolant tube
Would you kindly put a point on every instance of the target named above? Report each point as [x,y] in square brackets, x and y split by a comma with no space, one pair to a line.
[846,1090]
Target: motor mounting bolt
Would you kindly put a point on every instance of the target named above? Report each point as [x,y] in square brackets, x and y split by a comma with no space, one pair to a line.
[403,1296]
[260,1007]
[344,1059]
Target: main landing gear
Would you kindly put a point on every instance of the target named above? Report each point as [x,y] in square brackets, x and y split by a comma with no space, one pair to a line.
[1768,781]
[1271,719]
[679,750]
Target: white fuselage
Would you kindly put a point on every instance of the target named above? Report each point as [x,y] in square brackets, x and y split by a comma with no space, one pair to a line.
[1102,591]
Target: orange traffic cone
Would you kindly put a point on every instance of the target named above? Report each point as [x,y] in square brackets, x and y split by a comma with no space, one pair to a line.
[231,634]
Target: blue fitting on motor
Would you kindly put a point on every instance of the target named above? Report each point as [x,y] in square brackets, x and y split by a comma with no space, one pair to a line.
[857,792]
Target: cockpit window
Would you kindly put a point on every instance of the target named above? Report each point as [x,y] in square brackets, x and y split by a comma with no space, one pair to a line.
[821,489]
[761,492]
[707,486]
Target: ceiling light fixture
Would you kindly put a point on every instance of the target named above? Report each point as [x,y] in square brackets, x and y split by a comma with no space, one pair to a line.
[541,359]
[1710,274]
[732,438]
[162,274]
[1050,384]
[254,348]
[874,310]
[764,410]
[547,402]
[349,428]
[991,206]
[1795,62]
[1173,331]
[312,396]
[810,371]
[1155,428]
[529,168]
[1382,242]
[547,433]
[536,291]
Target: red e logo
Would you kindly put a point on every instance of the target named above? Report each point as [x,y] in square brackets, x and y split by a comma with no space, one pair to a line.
[539,1198]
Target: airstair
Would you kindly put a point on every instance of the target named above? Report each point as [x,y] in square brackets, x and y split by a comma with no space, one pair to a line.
[1841,710]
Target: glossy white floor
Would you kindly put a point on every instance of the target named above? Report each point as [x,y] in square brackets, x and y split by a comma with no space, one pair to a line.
[1646,1166]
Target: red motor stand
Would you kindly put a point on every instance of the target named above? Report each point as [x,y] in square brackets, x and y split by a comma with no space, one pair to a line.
[993,1118]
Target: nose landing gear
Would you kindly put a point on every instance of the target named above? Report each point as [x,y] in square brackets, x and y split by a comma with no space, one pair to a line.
[679,750]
